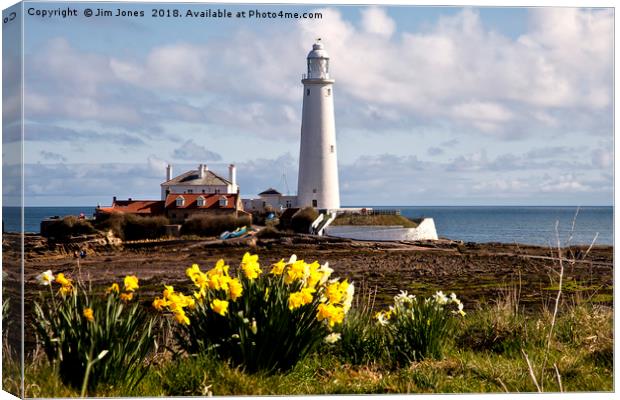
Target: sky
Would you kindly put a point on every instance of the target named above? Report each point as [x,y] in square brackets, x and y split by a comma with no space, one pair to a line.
[434,105]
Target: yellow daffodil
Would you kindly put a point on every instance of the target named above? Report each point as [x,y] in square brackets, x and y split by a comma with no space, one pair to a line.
[219,282]
[88,314]
[333,315]
[193,270]
[296,271]
[298,299]
[179,300]
[219,306]
[131,283]
[220,269]
[235,289]
[127,296]
[314,275]
[197,276]
[278,268]
[60,278]
[200,295]
[181,317]
[113,288]
[168,290]
[159,304]
[250,266]
[65,290]
[334,293]
[295,300]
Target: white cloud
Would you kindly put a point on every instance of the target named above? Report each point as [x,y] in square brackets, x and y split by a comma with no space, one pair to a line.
[602,158]
[456,72]
[181,66]
[375,20]
[191,151]
[564,183]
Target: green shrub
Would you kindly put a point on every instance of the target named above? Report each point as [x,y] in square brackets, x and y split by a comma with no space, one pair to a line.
[259,321]
[303,219]
[211,225]
[418,328]
[67,227]
[362,341]
[269,233]
[111,222]
[137,228]
[94,339]
[134,227]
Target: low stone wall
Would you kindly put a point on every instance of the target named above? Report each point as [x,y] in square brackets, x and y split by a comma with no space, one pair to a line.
[424,231]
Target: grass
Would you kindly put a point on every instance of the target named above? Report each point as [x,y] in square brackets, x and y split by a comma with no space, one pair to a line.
[483,356]
[358,219]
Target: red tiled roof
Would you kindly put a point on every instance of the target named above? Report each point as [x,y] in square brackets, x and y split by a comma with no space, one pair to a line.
[212,201]
[151,207]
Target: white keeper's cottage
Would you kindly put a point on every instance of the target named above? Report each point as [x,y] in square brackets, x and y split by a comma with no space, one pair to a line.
[200,181]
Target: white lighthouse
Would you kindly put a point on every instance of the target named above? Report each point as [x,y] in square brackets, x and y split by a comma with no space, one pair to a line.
[318,166]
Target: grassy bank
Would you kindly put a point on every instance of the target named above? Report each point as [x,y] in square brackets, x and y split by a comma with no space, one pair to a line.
[485,353]
[358,219]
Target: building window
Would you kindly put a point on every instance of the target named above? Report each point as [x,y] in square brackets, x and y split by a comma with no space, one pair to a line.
[307,92]
[180,201]
[331,148]
[223,201]
[314,190]
[329,92]
[315,203]
[203,190]
[190,191]
[200,202]
[217,191]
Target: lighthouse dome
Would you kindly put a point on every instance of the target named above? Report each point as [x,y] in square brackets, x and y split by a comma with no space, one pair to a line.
[318,51]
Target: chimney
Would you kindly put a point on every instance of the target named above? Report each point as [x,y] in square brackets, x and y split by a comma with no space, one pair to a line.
[113,199]
[201,171]
[168,172]
[232,177]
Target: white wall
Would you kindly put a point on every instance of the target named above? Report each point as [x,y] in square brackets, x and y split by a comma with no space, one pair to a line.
[276,202]
[424,231]
[196,189]
[318,164]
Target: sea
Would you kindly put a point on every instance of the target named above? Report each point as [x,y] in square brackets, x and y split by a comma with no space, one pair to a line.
[481,224]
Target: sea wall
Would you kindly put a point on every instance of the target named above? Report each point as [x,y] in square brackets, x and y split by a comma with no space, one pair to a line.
[424,231]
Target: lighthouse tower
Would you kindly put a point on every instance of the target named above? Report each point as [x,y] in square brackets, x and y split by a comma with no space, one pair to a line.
[318,166]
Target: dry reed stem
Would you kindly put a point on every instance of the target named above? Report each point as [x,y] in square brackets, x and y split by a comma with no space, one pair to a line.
[557,375]
[503,385]
[532,375]
[557,302]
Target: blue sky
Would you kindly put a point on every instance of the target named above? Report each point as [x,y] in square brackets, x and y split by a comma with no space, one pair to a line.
[434,105]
